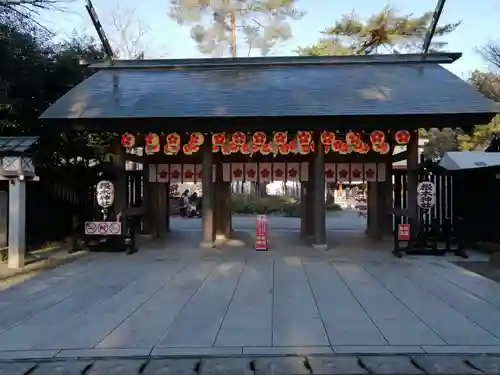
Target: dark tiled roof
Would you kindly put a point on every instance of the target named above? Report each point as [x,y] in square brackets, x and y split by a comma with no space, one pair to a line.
[16,145]
[401,87]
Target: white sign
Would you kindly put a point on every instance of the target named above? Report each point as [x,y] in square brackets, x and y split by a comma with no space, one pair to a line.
[106,228]
[426,195]
[105,193]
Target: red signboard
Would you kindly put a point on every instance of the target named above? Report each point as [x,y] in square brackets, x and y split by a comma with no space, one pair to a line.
[404,232]
[261,233]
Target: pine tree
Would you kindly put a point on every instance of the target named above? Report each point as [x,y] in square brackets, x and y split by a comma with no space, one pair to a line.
[217,26]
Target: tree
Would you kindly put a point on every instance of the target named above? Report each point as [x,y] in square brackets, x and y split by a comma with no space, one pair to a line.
[385,32]
[27,11]
[488,83]
[127,33]
[217,25]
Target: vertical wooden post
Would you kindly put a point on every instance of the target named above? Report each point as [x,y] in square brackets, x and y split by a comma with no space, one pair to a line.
[147,192]
[411,165]
[319,195]
[303,209]
[17,223]
[161,219]
[310,193]
[208,195]
[120,177]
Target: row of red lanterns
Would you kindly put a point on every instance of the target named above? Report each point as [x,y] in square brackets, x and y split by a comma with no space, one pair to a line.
[302,143]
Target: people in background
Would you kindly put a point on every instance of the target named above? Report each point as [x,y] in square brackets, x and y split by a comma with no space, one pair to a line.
[184,204]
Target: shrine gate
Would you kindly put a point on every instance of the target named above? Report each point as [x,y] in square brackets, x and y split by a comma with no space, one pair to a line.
[307,119]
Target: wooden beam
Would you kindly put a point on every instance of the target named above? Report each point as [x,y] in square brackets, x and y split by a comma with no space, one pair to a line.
[136,158]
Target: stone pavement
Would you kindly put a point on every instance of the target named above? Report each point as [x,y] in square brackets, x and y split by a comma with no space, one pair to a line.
[315,365]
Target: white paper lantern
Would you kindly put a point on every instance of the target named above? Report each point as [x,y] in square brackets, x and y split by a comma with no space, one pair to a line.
[105,193]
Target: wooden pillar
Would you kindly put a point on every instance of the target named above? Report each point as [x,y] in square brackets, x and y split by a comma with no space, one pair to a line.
[386,200]
[161,213]
[120,181]
[303,209]
[17,223]
[222,210]
[309,202]
[167,207]
[411,165]
[148,220]
[371,209]
[208,195]
[319,195]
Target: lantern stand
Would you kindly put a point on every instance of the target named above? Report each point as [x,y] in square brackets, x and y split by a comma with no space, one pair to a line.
[17,167]
[111,231]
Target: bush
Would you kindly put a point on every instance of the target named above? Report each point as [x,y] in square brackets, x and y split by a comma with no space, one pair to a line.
[271,205]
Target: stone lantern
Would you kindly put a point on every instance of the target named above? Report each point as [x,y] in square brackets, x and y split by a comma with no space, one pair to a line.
[17,167]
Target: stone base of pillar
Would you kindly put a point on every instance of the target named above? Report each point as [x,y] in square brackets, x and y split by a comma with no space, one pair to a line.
[207,245]
[320,246]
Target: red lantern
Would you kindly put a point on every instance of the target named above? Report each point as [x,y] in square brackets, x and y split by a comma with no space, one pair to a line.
[336,145]
[384,148]
[239,138]
[402,137]
[196,138]
[173,139]
[377,137]
[304,137]
[259,138]
[280,138]
[265,149]
[327,138]
[218,139]
[352,138]
[128,140]
[152,139]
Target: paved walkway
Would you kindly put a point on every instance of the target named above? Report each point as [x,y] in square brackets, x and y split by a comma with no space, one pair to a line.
[324,365]
[240,302]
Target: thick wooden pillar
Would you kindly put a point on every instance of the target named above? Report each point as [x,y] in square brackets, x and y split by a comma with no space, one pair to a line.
[411,165]
[303,209]
[208,195]
[161,213]
[148,220]
[222,205]
[222,210]
[309,202]
[386,198]
[319,195]
[373,215]
[120,181]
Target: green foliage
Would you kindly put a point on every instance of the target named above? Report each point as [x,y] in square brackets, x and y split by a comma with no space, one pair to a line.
[385,31]
[217,25]
[271,205]
[34,73]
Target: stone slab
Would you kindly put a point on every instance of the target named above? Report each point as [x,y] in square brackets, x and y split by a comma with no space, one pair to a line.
[281,366]
[461,349]
[116,367]
[96,353]
[439,364]
[488,365]
[15,368]
[337,365]
[171,367]
[226,366]
[28,354]
[390,365]
[197,351]
[378,349]
[71,367]
[286,350]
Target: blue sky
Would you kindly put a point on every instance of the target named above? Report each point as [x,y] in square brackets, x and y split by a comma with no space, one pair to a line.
[168,40]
